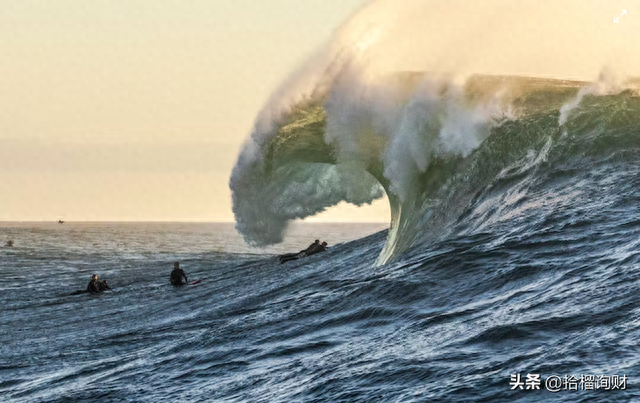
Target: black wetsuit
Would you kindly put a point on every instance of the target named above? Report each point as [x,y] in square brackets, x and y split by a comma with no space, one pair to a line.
[94,287]
[290,256]
[293,256]
[176,277]
[317,249]
[310,248]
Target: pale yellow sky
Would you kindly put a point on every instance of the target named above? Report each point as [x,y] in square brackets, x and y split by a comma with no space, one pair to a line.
[137,110]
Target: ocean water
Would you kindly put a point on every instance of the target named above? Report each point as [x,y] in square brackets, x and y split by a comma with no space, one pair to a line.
[510,271]
[549,291]
[117,346]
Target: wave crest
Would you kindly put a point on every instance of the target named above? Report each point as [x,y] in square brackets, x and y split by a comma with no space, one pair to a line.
[352,143]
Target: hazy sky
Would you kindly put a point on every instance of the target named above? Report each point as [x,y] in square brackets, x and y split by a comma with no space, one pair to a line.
[136,110]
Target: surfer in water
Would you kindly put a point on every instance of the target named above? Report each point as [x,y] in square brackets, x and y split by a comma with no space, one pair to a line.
[177,275]
[96,286]
[314,248]
[9,244]
[293,256]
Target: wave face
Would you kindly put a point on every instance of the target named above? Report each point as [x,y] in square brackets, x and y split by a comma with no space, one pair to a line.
[351,126]
[432,146]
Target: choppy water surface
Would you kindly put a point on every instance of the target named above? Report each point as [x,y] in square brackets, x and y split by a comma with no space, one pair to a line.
[551,291]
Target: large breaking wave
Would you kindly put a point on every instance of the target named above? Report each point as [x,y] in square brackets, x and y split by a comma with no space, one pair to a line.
[338,131]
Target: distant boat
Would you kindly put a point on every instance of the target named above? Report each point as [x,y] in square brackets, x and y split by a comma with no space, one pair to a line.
[60,222]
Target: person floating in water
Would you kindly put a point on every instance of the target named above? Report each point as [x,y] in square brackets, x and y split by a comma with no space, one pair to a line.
[96,286]
[177,275]
[314,248]
[9,244]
